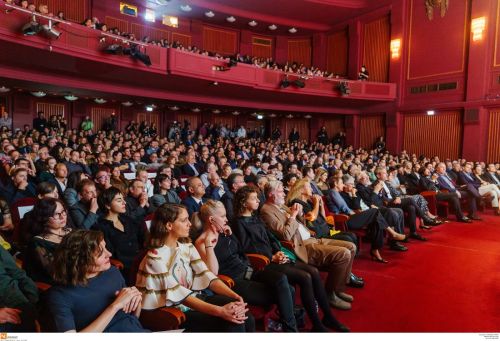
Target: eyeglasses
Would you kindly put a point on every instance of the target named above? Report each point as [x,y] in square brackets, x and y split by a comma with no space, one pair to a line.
[60,215]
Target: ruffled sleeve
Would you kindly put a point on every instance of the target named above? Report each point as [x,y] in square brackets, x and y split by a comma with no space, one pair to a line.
[159,288]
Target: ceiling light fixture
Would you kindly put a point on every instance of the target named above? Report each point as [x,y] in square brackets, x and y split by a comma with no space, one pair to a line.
[3,89]
[186,8]
[252,23]
[196,110]
[216,111]
[292,30]
[289,116]
[127,104]
[174,108]
[431,112]
[308,116]
[149,108]
[272,115]
[235,113]
[231,19]
[100,100]
[71,97]
[260,117]
[210,14]
[272,27]
[39,94]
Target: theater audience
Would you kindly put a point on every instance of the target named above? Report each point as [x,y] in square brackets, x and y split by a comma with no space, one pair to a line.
[195,198]
[234,182]
[137,200]
[163,192]
[173,269]
[84,212]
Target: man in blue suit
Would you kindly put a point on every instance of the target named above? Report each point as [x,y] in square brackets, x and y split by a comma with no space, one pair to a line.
[445,182]
[196,191]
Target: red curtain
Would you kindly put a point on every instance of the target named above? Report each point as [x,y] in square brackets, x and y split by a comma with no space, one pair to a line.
[74,10]
[302,126]
[494,137]
[371,128]
[220,41]
[193,118]
[99,115]
[334,126]
[50,109]
[337,52]
[262,47]
[141,31]
[377,39]
[122,25]
[184,39]
[224,120]
[439,135]
[300,51]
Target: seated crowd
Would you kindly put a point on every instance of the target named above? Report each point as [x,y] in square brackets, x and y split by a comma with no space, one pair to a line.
[213,199]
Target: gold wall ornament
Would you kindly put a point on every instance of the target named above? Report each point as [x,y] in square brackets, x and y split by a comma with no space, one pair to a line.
[430,4]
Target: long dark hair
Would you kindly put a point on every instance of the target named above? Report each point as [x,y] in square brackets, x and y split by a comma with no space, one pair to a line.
[75,257]
[73,179]
[158,232]
[158,180]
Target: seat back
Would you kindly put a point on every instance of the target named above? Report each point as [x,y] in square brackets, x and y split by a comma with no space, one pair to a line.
[18,209]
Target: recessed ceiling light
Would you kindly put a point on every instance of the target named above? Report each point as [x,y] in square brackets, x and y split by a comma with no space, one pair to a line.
[186,8]
[252,23]
[71,98]
[3,89]
[100,100]
[431,112]
[210,14]
[292,30]
[272,27]
[127,104]
[260,117]
[231,19]
[39,94]
[149,108]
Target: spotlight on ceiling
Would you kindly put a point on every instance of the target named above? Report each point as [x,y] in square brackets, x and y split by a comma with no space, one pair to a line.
[39,94]
[210,14]
[127,104]
[260,117]
[272,27]
[100,100]
[186,8]
[70,97]
[3,89]
[252,23]
[292,30]
[231,19]
[149,108]
[431,112]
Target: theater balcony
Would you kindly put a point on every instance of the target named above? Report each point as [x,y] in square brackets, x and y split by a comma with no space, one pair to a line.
[76,61]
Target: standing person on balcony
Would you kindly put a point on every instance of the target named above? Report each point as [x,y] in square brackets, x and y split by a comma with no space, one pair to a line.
[40,123]
[87,124]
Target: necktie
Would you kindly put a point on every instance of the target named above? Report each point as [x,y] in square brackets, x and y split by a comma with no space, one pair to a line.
[448,181]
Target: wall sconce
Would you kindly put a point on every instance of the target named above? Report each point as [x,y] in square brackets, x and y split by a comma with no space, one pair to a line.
[395,48]
[477,27]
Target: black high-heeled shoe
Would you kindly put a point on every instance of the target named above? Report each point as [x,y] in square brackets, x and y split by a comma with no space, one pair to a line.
[378,259]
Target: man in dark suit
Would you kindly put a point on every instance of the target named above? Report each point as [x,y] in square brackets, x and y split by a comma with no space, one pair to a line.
[137,200]
[491,175]
[234,182]
[430,182]
[190,167]
[216,188]
[60,178]
[394,216]
[392,199]
[445,182]
[195,199]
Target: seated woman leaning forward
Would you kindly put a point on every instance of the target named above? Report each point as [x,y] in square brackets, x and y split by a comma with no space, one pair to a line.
[173,274]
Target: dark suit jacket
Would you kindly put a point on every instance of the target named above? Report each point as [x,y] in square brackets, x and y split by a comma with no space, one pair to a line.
[487,177]
[413,183]
[191,205]
[369,196]
[453,175]
[427,184]
[58,186]
[443,185]
[188,170]
[463,179]
[353,203]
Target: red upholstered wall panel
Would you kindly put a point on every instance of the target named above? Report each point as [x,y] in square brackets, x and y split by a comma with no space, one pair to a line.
[221,41]
[439,135]
[224,120]
[494,137]
[377,37]
[121,24]
[141,31]
[437,47]
[74,10]
[337,52]
[50,109]
[370,128]
[299,50]
[98,116]
[184,39]
[301,124]
[262,47]
[193,118]
[334,125]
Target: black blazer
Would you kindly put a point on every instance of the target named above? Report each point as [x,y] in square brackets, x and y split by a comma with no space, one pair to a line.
[188,170]
[191,205]
[369,197]
[487,177]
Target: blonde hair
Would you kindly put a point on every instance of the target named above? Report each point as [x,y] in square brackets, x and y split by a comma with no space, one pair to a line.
[296,190]
[319,172]
[208,209]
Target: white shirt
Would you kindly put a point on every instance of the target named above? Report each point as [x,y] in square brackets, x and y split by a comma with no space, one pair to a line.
[386,189]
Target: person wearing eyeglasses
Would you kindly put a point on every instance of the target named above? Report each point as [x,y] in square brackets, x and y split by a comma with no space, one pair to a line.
[49,226]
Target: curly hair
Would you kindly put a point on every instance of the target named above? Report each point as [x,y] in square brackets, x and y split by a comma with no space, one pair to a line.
[241,197]
[158,232]
[75,257]
[42,212]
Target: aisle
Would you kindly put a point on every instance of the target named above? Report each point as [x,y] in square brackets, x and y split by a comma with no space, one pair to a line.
[450,283]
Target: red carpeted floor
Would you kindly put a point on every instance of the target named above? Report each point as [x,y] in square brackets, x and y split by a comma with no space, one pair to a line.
[451,283]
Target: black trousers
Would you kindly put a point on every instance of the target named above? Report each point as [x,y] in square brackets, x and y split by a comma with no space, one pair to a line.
[453,201]
[311,287]
[471,200]
[412,210]
[269,287]
[394,217]
[373,219]
[197,322]
[27,325]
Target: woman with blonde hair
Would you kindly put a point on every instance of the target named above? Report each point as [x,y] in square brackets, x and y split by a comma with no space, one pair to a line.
[223,254]
[321,179]
[173,274]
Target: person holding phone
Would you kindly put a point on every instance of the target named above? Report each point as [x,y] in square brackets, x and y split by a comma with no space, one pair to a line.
[256,238]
